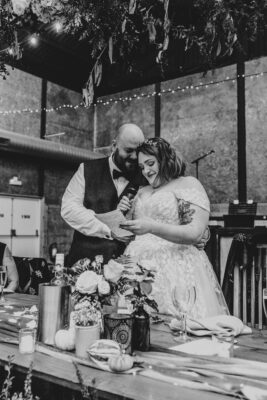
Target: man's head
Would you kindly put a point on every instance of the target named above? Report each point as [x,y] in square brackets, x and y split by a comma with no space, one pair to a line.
[129,137]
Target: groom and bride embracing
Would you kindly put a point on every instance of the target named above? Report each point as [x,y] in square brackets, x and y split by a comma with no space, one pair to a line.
[170,215]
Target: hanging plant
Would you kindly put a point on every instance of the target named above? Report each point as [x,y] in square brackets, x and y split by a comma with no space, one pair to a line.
[222,26]
[118,29]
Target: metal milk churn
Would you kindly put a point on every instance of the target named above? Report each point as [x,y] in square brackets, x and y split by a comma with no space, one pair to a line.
[54,310]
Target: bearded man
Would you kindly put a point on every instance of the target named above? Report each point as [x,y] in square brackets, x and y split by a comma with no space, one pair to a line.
[97,188]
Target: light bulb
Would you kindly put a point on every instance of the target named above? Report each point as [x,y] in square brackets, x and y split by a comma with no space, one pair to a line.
[33,40]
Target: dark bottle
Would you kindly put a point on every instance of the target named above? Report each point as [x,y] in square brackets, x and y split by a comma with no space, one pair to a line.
[141,330]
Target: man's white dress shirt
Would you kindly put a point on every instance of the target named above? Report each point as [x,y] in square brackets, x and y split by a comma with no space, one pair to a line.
[73,210]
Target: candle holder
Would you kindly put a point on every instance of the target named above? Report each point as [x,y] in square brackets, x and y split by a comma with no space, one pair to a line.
[27,339]
[119,327]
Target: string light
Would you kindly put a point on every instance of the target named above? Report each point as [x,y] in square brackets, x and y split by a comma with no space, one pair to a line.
[33,40]
[58,26]
[140,96]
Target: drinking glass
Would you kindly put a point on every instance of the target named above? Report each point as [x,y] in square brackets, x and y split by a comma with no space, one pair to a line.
[3,280]
[264,300]
[183,300]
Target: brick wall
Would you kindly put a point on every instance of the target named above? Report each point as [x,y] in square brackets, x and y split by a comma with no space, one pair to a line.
[194,121]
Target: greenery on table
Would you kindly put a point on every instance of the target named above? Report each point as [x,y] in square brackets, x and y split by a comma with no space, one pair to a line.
[7,392]
[119,29]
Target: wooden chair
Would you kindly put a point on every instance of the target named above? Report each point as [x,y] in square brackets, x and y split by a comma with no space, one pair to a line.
[245,278]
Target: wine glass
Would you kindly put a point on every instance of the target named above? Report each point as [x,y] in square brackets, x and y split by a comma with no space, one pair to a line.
[183,299]
[3,279]
[264,299]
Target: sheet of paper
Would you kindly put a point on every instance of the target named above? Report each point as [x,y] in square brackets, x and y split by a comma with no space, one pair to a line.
[203,347]
[113,219]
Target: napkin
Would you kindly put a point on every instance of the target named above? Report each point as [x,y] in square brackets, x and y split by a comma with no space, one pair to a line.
[205,347]
[226,325]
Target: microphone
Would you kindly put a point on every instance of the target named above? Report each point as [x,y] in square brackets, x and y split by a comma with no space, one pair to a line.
[203,156]
[131,192]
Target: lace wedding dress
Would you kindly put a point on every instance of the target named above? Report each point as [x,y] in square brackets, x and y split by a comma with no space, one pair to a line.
[176,264]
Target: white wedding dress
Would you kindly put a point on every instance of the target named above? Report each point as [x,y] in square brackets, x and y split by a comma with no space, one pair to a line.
[176,264]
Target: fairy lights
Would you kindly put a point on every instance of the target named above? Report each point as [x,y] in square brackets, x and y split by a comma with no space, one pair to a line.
[33,40]
[58,26]
[134,97]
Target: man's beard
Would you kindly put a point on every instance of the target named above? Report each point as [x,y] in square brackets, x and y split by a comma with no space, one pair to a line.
[127,166]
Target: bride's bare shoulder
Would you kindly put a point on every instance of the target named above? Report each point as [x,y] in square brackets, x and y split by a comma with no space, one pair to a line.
[186,182]
[144,189]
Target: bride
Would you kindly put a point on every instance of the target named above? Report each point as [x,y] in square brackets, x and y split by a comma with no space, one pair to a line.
[170,216]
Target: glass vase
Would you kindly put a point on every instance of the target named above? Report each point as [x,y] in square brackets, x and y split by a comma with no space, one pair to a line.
[141,330]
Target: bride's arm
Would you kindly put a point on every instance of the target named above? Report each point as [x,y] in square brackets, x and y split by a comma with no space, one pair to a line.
[191,233]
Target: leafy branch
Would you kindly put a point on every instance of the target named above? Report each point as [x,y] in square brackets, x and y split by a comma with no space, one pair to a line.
[124,29]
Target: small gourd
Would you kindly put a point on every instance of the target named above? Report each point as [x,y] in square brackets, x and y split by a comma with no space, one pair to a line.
[65,339]
[120,363]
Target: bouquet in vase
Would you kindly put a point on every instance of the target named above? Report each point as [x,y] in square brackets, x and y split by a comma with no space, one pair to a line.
[98,285]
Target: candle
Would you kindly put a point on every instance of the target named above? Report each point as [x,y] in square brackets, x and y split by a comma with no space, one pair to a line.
[27,340]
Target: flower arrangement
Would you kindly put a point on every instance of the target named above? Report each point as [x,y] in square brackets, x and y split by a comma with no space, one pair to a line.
[95,285]
[87,313]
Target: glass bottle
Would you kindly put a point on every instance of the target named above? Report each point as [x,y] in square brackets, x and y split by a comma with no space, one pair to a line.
[59,277]
[141,329]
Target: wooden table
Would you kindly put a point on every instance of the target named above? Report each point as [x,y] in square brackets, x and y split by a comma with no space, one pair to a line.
[114,386]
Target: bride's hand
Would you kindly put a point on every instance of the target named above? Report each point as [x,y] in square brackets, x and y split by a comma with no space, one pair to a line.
[124,204]
[138,226]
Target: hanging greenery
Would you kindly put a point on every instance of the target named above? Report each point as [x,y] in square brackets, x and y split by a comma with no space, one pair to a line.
[119,28]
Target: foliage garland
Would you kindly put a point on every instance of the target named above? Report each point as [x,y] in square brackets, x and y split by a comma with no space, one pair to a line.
[121,27]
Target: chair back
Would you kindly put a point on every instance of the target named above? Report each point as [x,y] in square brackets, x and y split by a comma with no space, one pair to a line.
[245,280]
[32,272]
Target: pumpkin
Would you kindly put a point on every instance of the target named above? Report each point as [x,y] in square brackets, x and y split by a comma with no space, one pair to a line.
[102,349]
[120,363]
[65,339]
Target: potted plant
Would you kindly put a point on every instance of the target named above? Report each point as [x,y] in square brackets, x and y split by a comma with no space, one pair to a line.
[87,321]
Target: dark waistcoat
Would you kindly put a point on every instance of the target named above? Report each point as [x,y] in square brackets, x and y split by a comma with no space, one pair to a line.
[100,196]
[2,250]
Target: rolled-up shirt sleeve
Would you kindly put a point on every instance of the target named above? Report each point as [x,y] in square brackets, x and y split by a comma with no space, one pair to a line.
[75,214]
[12,272]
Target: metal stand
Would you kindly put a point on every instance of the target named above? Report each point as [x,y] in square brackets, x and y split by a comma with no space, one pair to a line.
[196,161]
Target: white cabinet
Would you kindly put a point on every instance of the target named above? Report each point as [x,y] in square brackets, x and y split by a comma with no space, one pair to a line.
[26,217]
[21,225]
[5,216]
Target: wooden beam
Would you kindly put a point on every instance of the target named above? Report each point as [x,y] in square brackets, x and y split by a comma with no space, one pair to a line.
[241,133]
[157,108]
[42,135]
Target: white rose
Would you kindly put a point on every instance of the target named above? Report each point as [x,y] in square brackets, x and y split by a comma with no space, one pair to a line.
[103,287]
[87,282]
[19,6]
[113,271]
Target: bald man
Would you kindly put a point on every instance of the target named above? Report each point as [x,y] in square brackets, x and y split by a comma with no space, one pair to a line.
[96,188]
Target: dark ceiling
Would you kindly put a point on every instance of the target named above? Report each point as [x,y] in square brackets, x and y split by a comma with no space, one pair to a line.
[64,60]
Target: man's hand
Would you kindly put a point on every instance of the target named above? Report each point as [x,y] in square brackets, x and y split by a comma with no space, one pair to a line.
[123,239]
[204,240]
[124,204]
[138,226]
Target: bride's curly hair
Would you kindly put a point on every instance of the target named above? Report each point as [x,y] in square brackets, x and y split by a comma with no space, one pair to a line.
[171,165]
